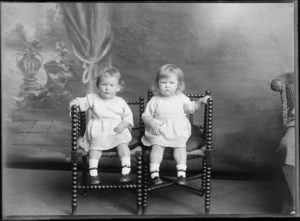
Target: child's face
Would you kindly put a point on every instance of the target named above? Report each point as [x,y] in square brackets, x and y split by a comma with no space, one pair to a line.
[108,87]
[168,86]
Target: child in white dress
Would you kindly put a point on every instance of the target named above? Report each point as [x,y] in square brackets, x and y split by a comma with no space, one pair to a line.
[110,123]
[166,122]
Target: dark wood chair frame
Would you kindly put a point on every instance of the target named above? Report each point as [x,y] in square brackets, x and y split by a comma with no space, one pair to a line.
[78,125]
[204,174]
[285,85]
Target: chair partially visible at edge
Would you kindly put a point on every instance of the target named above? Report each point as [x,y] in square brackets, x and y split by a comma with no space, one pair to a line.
[285,85]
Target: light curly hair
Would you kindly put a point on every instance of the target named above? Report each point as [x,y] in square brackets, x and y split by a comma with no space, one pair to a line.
[111,72]
[164,72]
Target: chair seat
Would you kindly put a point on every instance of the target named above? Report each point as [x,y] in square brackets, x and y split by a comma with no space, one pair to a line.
[198,153]
[135,149]
[194,154]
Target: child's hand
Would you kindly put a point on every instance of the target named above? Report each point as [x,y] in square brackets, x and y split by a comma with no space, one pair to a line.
[73,102]
[121,127]
[155,127]
[203,100]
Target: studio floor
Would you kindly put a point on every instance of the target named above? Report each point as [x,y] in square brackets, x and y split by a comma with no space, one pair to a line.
[43,194]
[36,183]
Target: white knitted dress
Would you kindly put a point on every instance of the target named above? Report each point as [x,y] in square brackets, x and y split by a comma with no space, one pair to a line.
[106,115]
[172,112]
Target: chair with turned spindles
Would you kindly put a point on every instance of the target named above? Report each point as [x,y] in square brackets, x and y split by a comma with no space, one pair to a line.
[79,158]
[199,147]
[284,84]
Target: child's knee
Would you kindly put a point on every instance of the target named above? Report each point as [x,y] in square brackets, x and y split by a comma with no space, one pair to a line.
[95,154]
[123,150]
[157,149]
[123,146]
[179,150]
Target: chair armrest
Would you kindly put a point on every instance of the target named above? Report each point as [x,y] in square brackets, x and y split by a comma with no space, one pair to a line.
[284,79]
[285,85]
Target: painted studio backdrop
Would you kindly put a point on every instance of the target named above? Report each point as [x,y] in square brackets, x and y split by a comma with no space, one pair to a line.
[51,53]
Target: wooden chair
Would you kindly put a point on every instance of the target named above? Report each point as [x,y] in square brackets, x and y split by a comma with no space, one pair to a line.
[285,85]
[199,146]
[78,156]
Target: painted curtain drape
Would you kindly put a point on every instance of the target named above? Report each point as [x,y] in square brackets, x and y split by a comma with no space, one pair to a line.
[90,35]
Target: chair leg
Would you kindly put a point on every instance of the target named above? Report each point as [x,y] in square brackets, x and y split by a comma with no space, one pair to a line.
[207,189]
[204,169]
[84,174]
[74,210]
[146,174]
[139,190]
[74,188]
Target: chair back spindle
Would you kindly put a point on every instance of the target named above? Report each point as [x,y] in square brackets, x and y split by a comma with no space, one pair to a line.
[285,85]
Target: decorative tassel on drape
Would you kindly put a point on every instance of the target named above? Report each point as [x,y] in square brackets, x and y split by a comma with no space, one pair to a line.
[90,35]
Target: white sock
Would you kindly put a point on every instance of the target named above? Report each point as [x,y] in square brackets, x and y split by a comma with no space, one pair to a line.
[154,167]
[126,163]
[93,166]
[181,168]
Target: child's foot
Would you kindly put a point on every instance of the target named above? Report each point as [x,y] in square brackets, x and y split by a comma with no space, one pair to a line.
[94,180]
[125,178]
[181,180]
[156,180]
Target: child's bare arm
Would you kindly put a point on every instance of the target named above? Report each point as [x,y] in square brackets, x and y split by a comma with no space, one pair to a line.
[201,101]
[154,124]
[150,121]
[122,126]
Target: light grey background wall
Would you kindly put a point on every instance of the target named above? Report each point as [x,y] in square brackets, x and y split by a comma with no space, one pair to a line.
[234,50]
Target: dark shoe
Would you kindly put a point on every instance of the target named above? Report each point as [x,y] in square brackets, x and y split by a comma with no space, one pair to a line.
[181,180]
[125,178]
[94,180]
[156,180]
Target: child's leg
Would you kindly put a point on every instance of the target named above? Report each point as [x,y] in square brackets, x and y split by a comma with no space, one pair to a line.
[180,158]
[94,157]
[124,153]
[156,156]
